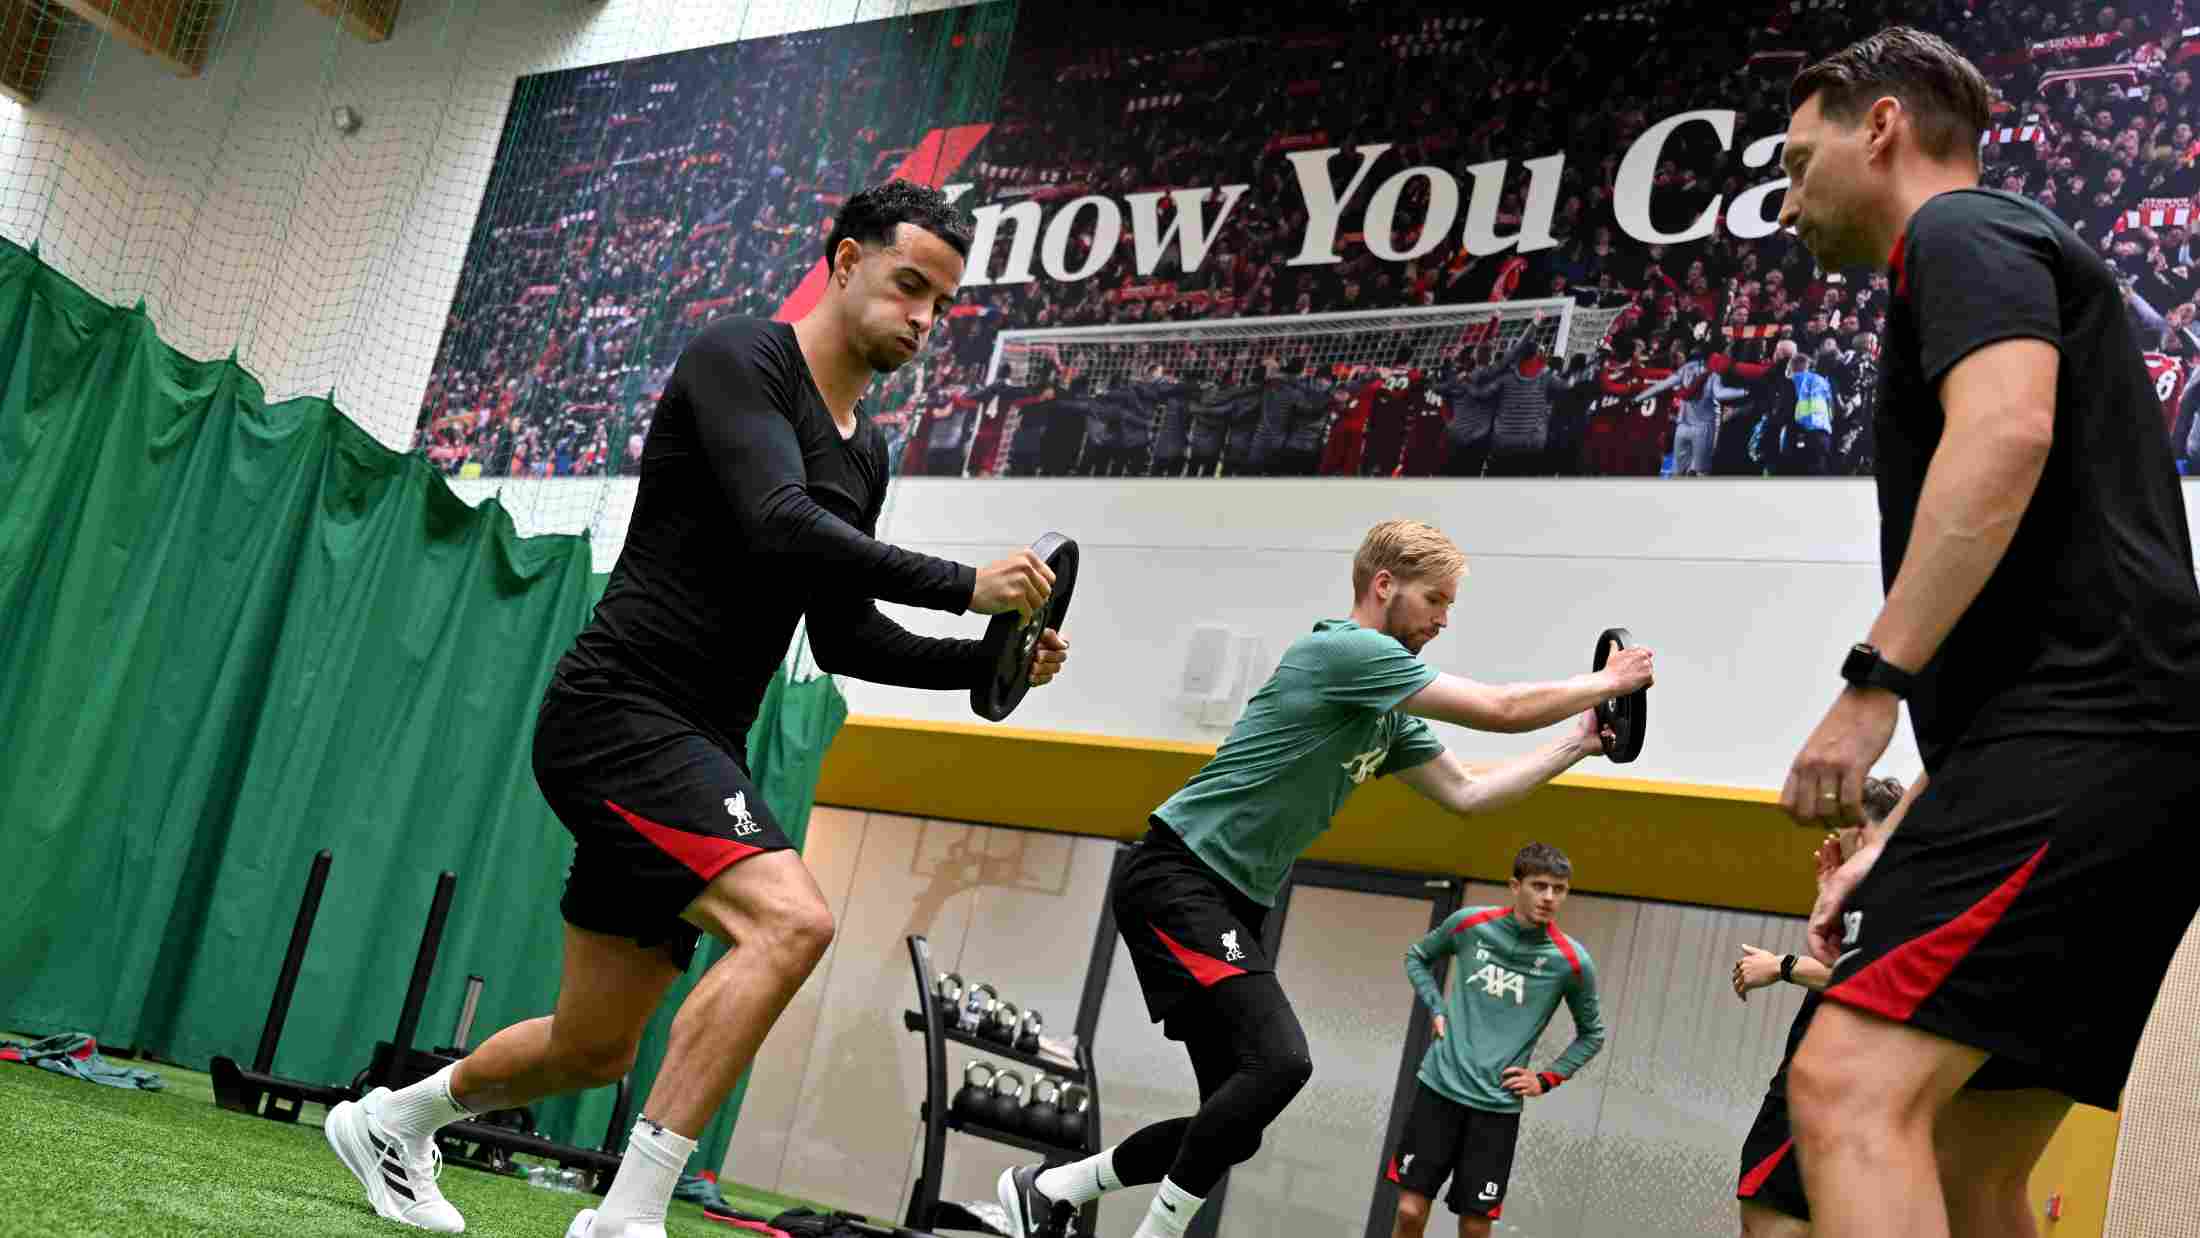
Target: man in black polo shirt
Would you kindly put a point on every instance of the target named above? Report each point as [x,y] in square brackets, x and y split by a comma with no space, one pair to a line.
[1996,957]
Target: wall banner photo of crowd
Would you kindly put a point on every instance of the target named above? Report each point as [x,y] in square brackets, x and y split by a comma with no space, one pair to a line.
[1407,249]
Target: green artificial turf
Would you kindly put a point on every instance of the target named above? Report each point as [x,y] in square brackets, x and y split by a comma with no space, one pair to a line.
[79,1160]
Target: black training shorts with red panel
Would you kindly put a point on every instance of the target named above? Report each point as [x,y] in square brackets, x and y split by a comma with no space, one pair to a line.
[657,807]
[1186,927]
[2029,905]
[1771,1175]
[1445,1139]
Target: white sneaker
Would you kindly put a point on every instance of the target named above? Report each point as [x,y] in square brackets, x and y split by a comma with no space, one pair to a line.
[399,1177]
[584,1226]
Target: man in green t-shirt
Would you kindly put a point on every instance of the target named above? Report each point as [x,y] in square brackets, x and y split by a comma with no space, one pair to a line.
[1348,702]
[1473,1079]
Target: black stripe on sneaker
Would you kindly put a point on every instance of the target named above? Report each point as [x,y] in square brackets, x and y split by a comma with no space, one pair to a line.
[380,1148]
[398,1186]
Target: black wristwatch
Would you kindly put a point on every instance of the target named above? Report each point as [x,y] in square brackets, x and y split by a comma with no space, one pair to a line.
[1787,968]
[1866,669]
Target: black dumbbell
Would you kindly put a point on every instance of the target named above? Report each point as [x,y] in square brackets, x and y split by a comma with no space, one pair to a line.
[974,1100]
[1027,1031]
[1008,1097]
[1042,1119]
[1071,1120]
[1001,1025]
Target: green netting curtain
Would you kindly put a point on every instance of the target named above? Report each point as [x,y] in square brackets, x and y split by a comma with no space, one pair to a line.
[234,633]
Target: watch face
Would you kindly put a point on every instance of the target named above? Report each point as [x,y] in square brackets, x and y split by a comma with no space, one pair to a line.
[1859,663]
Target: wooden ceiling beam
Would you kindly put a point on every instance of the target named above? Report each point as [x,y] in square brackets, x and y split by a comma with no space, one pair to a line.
[174,32]
[369,21]
[28,32]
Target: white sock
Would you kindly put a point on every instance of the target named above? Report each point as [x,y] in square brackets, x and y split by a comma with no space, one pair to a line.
[1170,1212]
[421,1110]
[1080,1182]
[640,1193]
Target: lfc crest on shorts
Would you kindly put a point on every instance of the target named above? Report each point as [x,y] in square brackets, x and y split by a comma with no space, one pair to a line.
[737,807]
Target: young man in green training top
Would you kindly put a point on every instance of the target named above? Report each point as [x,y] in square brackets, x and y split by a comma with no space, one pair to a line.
[1475,1077]
[1347,702]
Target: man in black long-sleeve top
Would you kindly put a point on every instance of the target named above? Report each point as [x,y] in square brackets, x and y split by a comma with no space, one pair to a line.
[1066,446]
[1217,415]
[1135,410]
[1170,399]
[761,486]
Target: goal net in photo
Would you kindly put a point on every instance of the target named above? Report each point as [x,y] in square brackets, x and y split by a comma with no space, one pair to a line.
[1232,350]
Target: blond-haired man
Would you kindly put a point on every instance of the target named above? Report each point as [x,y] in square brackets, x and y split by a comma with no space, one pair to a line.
[1348,702]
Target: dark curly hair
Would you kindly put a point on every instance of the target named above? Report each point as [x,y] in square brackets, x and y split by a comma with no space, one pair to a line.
[1542,860]
[869,218]
[1880,797]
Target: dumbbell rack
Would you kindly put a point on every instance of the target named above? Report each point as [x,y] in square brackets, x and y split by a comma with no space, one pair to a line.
[937,1112]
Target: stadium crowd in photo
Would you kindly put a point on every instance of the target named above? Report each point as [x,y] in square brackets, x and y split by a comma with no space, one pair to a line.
[639,213]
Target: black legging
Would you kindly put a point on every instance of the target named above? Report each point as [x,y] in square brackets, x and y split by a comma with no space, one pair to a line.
[1249,1055]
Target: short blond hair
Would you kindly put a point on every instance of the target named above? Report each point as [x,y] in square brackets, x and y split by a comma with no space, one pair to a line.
[1408,550]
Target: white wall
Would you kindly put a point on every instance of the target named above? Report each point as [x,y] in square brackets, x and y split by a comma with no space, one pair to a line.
[1749,591]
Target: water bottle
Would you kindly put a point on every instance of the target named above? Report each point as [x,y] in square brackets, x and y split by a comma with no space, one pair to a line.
[552,1178]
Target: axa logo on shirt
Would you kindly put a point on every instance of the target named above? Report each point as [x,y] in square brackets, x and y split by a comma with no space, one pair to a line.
[737,807]
[1498,981]
[1362,766]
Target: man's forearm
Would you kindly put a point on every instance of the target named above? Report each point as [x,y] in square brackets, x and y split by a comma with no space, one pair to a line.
[867,645]
[1533,706]
[1975,495]
[1509,782]
[1424,983]
[1810,973]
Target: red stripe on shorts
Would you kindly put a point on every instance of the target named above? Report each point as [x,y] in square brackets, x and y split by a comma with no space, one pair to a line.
[1896,984]
[1754,1180]
[1208,971]
[706,855]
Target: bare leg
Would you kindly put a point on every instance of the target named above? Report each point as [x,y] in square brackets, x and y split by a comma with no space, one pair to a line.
[1987,1144]
[771,912]
[1474,1227]
[1759,1221]
[610,989]
[1864,1093]
[1412,1215]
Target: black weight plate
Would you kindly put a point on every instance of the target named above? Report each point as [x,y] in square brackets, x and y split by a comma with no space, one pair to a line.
[1011,645]
[1627,716]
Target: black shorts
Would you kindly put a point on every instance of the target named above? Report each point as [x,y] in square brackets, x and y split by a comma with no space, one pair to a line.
[2029,906]
[1188,928]
[1770,1176]
[657,808]
[1445,1139]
